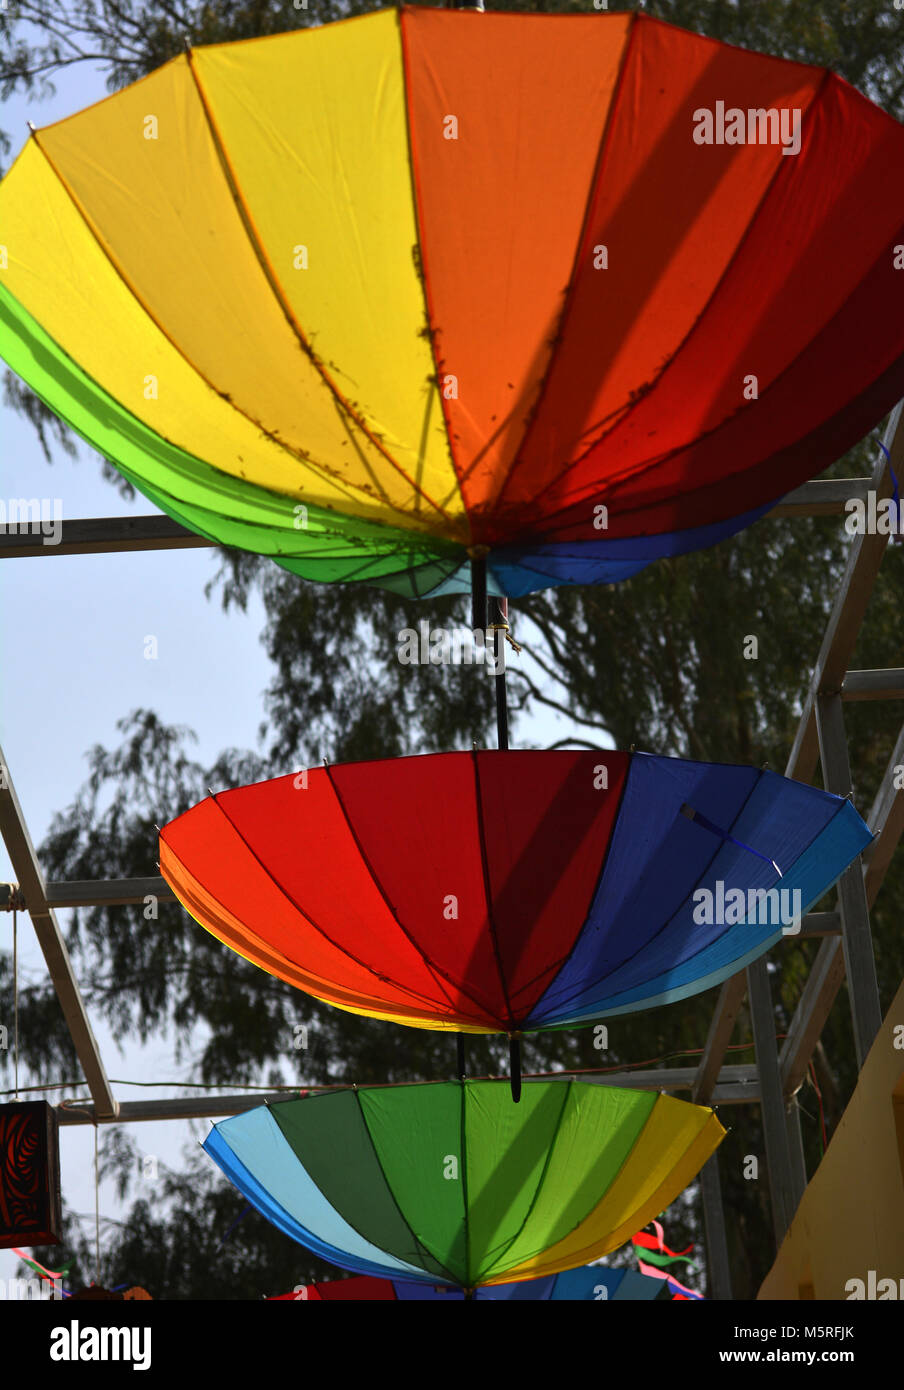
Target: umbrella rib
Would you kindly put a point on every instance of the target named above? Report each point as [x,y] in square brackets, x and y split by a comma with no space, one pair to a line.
[593,897]
[463,1150]
[602,152]
[421,259]
[263,259]
[618,415]
[723,424]
[730,927]
[540,1181]
[576,993]
[438,973]
[422,1248]
[487,890]
[621,1168]
[421,540]
[415,994]
[336,479]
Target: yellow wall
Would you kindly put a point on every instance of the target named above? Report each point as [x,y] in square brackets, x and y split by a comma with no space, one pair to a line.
[851,1219]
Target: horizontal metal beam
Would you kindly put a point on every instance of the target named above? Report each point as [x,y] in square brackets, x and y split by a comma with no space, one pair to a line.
[103,535]
[874,685]
[735,1086]
[123,892]
[106,535]
[825,497]
[25,865]
[114,892]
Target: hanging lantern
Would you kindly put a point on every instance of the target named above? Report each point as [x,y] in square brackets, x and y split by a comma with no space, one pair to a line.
[30,1211]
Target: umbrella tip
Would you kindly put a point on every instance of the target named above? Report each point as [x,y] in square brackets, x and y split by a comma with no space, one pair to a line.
[31,127]
[186,43]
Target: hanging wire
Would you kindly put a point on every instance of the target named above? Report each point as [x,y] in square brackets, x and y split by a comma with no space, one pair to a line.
[96,1209]
[15,1004]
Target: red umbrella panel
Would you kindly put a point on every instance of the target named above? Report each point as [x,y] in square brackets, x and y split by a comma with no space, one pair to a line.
[509,891]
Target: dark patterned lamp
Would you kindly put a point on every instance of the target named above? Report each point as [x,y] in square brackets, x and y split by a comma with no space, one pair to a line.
[30,1212]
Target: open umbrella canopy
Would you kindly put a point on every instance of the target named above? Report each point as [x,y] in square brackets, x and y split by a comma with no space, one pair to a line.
[449,1183]
[590,1283]
[509,891]
[574,290]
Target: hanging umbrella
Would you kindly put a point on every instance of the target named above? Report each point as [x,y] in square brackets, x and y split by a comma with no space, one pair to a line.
[374,298]
[449,1183]
[509,892]
[590,1283]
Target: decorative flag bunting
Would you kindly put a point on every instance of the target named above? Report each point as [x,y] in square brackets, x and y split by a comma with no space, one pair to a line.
[310,313]
[508,892]
[653,1255]
[449,1183]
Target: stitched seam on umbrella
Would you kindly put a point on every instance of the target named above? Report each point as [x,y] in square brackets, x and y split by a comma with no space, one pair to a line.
[463,1151]
[725,424]
[595,893]
[439,974]
[726,970]
[640,1003]
[300,910]
[622,411]
[622,1166]
[85,382]
[421,271]
[363,1234]
[336,479]
[342,405]
[282,968]
[540,1181]
[487,892]
[575,994]
[585,222]
[422,541]
[422,1248]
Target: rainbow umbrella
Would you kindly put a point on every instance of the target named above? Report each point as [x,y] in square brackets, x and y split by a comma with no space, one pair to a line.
[449,1183]
[590,1283]
[509,892]
[563,292]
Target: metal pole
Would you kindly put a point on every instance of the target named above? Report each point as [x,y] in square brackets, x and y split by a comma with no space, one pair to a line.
[778,1159]
[478,624]
[856,937]
[717,1265]
[499,681]
[796,1153]
[479,589]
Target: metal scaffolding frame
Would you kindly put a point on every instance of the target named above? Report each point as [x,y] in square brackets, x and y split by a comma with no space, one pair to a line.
[845,949]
